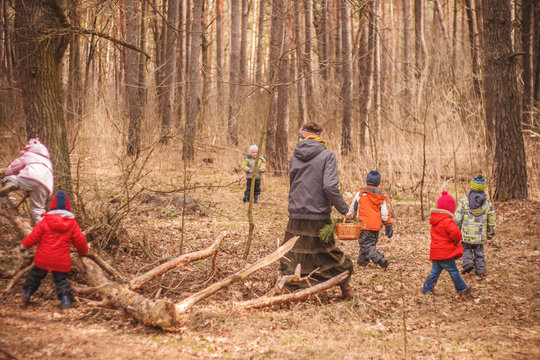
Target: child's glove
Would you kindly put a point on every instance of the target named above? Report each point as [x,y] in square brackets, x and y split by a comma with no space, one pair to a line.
[22,249]
[389,231]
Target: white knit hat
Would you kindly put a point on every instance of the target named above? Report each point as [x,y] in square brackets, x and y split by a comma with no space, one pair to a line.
[253,148]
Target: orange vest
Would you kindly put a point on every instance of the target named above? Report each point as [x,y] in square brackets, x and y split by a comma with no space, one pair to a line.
[369,210]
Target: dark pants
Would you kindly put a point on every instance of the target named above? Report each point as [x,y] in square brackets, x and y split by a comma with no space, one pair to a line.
[257,190]
[473,254]
[368,248]
[61,279]
[437,267]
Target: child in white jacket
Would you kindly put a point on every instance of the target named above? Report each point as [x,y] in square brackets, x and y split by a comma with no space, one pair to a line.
[32,172]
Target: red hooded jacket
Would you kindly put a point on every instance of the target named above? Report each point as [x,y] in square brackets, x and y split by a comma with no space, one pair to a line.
[53,235]
[445,236]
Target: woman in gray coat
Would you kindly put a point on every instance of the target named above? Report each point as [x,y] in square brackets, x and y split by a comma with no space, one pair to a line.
[313,191]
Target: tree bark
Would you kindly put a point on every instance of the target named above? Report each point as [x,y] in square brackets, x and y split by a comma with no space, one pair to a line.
[147,311]
[275,62]
[364,64]
[139,281]
[169,70]
[473,39]
[308,78]
[299,63]
[192,107]
[346,72]
[220,50]
[40,46]
[260,37]
[243,43]
[234,76]
[418,37]
[265,301]
[406,58]
[527,12]
[132,84]
[502,103]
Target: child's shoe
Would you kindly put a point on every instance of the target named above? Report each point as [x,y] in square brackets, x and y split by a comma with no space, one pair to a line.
[256,199]
[466,291]
[245,200]
[25,296]
[65,302]
[467,269]
[7,188]
[348,293]
[383,263]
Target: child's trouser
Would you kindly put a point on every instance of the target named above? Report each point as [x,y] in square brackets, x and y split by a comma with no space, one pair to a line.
[61,279]
[368,248]
[256,191]
[437,267]
[38,194]
[473,254]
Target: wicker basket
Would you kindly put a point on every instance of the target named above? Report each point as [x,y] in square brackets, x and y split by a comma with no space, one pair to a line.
[348,231]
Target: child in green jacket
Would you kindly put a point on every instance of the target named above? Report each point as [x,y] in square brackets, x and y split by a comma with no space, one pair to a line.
[249,167]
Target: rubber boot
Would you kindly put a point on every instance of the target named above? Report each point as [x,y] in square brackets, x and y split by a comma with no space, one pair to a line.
[347,292]
[65,302]
[25,296]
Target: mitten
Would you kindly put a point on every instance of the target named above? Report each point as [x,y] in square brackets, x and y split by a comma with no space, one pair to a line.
[389,231]
[22,249]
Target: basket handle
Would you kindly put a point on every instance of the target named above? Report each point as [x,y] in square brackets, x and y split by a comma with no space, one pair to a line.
[344,218]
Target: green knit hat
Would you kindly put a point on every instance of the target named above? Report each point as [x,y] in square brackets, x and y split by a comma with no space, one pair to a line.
[478,183]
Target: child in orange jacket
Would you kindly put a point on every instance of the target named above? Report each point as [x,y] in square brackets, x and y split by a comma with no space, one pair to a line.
[369,205]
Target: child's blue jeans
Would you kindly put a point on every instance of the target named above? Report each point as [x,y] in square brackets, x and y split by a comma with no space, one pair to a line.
[437,267]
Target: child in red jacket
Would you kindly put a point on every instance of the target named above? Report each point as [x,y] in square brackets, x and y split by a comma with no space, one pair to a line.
[445,246]
[53,235]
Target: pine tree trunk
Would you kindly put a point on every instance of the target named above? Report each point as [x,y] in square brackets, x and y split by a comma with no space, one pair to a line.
[300,63]
[364,64]
[243,44]
[260,36]
[131,85]
[192,105]
[502,103]
[473,39]
[276,61]
[220,50]
[527,12]
[418,37]
[308,78]
[376,104]
[39,64]
[406,57]
[169,70]
[234,76]
[346,86]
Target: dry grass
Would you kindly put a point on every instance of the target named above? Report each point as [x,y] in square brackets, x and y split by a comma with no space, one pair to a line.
[500,320]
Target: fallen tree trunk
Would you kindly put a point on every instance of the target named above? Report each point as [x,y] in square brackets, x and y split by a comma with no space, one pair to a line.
[152,313]
[10,211]
[186,304]
[139,281]
[264,301]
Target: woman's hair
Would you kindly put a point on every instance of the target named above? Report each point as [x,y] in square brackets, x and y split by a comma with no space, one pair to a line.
[312,127]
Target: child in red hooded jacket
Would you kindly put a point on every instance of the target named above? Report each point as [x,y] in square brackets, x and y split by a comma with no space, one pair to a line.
[53,235]
[445,246]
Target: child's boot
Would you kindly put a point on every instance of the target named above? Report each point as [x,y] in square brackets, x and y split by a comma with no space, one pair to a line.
[467,268]
[383,263]
[65,302]
[256,199]
[25,296]
[347,292]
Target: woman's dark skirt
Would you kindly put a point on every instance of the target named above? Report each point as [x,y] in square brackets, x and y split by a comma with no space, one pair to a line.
[312,253]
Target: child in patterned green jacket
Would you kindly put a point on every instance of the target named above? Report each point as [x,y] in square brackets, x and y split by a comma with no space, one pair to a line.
[475,217]
[248,165]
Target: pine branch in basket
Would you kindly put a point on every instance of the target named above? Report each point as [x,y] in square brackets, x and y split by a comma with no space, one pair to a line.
[326,233]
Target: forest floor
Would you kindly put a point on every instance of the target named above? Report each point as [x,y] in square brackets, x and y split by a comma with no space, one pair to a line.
[390,319]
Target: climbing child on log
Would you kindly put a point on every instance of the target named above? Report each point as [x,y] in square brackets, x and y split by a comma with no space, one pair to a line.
[32,172]
[369,205]
[53,236]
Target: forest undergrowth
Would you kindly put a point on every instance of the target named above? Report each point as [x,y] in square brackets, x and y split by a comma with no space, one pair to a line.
[390,319]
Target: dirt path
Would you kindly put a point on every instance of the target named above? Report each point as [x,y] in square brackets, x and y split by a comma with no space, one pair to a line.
[500,320]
